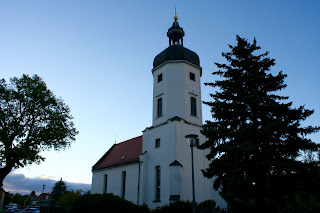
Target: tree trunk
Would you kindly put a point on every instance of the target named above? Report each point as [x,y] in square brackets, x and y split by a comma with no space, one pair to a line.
[4,172]
[259,175]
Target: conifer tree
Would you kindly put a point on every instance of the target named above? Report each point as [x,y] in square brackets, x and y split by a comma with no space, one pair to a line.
[59,189]
[255,137]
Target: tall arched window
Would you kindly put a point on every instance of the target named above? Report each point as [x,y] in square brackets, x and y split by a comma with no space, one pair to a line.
[158,181]
[159,107]
[123,184]
[193,103]
[105,183]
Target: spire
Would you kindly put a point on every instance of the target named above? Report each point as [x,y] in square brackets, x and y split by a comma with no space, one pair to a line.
[175,33]
[175,18]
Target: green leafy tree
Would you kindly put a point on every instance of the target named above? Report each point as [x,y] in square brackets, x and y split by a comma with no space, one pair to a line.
[69,198]
[26,200]
[59,189]
[21,199]
[32,119]
[255,138]
[18,199]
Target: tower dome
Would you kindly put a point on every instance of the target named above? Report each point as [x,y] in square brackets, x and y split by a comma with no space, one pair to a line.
[176,50]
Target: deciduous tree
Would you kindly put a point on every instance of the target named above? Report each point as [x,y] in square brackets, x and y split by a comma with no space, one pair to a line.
[32,120]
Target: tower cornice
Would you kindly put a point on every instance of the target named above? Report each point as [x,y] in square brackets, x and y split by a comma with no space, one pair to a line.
[177,61]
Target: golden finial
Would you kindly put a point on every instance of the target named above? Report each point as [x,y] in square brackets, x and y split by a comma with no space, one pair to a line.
[175,18]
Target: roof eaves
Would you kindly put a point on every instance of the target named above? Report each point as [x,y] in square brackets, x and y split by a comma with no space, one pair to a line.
[99,161]
[117,164]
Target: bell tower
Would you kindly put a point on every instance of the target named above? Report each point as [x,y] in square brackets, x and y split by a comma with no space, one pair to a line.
[176,81]
[166,154]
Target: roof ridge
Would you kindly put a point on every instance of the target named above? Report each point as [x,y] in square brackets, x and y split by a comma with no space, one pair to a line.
[129,140]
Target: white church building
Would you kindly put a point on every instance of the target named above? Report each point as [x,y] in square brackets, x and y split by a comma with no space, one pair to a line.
[155,168]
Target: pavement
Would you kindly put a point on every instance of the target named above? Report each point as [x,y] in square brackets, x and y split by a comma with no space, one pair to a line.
[20,211]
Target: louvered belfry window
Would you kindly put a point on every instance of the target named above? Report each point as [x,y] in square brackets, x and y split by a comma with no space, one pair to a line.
[193,102]
[159,107]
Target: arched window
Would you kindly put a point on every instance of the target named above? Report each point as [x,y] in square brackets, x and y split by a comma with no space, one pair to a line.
[123,184]
[193,103]
[105,183]
[159,107]
[158,181]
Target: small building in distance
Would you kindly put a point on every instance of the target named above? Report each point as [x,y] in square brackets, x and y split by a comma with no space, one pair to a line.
[45,199]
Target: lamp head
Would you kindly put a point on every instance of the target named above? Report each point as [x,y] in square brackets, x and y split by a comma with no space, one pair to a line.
[192,138]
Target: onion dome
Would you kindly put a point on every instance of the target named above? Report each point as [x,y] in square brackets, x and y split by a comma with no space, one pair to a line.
[176,50]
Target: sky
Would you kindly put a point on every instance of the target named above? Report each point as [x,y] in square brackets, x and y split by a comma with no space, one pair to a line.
[97,56]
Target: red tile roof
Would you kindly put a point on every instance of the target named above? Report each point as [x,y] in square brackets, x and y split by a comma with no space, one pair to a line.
[44,196]
[125,152]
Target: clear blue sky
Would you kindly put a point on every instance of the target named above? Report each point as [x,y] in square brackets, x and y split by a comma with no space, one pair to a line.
[97,55]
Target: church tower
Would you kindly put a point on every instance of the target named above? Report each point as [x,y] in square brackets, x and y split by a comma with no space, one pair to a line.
[166,155]
[155,169]
[176,81]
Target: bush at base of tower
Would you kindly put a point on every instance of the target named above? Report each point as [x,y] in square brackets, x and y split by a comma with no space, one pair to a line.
[106,203]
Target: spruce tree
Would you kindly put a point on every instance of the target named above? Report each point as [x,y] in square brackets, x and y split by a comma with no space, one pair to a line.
[255,137]
[59,189]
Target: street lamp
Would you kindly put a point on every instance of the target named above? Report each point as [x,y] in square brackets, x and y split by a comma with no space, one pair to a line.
[192,141]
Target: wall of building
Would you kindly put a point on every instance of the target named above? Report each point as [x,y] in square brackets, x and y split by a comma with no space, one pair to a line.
[152,157]
[114,181]
[174,146]
[175,90]
[203,186]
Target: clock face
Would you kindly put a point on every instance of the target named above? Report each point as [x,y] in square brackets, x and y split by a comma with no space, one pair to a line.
[193,90]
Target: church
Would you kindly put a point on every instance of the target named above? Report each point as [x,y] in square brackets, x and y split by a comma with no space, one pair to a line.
[155,168]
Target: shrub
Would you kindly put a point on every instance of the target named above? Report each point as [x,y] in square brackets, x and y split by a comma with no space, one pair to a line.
[105,203]
[178,206]
[68,198]
[207,204]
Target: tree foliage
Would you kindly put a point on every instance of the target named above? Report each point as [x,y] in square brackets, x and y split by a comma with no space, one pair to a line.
[32,120]
[21,200]
[69,198]
[256,137]
[59,189]
[18,199]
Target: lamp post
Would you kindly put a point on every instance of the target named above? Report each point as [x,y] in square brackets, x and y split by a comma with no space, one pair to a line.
[192,140]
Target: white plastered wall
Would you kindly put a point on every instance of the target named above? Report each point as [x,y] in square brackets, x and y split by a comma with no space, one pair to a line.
[175,90]
[174,146]
[114,181]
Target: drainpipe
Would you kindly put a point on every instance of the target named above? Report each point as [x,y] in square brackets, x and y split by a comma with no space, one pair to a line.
[138,183]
